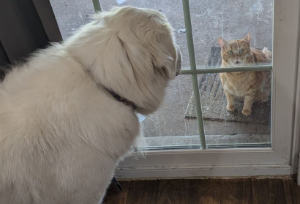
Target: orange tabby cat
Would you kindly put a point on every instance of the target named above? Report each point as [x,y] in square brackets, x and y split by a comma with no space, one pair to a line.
[251,85]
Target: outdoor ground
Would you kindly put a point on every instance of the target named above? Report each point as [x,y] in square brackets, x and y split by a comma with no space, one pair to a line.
[211,19]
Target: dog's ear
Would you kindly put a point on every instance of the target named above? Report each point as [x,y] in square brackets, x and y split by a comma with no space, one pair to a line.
[137,51]
[113,66]
[165,54]
[151,43]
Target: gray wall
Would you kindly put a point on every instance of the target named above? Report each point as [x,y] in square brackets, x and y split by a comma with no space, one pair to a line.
[25,25]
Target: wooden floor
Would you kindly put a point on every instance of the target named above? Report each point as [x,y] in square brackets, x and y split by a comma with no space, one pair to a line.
[207,191]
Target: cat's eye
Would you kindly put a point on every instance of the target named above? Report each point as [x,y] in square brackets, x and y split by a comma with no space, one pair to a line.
[241,51]
[230,52]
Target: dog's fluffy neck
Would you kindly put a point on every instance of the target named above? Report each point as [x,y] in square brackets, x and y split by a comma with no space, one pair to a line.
[114,94]
[121,99]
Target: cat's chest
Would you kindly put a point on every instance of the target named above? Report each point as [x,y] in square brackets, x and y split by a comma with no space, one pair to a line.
[238,86]
[237,91]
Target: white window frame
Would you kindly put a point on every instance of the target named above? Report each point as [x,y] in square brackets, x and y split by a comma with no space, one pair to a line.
[280,159]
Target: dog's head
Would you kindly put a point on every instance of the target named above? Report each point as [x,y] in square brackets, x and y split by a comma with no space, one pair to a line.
[131,51]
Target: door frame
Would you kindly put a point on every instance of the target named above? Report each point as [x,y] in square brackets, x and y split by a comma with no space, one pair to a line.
[280,159]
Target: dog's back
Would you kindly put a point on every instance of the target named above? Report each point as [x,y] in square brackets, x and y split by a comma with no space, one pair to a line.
[53,124]
[61,131]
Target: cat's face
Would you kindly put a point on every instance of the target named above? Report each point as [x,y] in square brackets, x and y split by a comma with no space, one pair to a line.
[236,52]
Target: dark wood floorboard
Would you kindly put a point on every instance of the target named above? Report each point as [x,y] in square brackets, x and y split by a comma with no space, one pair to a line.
[173,191]
[204,191]
[268,191]
[207,191]
[235,191]
[292,193]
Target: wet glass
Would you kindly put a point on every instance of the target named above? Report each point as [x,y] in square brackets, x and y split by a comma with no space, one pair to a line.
[226,120]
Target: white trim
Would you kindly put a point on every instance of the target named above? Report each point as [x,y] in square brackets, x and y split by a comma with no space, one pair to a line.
[285,59]
[296,138]
[202,171]
[243,156]
[296,135]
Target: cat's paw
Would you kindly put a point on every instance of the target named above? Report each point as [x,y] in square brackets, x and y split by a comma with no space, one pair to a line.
[246,112]
[230,107]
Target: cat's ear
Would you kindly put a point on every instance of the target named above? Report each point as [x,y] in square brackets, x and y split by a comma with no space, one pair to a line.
[248,38]
[222,42]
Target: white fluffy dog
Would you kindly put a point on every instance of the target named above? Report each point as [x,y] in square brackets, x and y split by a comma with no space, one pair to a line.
[66,116]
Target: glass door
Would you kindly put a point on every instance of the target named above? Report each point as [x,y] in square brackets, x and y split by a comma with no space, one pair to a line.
[231,110]
[201,130]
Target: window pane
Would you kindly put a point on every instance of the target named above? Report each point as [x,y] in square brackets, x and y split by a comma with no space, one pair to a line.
[169,126]
[175,122]
[172,9]
[231,118]
[70,15]
[231,20]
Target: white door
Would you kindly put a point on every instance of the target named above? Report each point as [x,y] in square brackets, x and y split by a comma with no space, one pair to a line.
[186,141]
[269,153]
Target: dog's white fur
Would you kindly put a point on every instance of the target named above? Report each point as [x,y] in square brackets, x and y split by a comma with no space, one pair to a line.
[61,132]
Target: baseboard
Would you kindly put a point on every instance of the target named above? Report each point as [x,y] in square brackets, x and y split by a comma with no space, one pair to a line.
[203,171]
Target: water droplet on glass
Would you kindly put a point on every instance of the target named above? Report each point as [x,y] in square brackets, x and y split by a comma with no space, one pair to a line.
[141,117]
[181,31]
[121,1]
